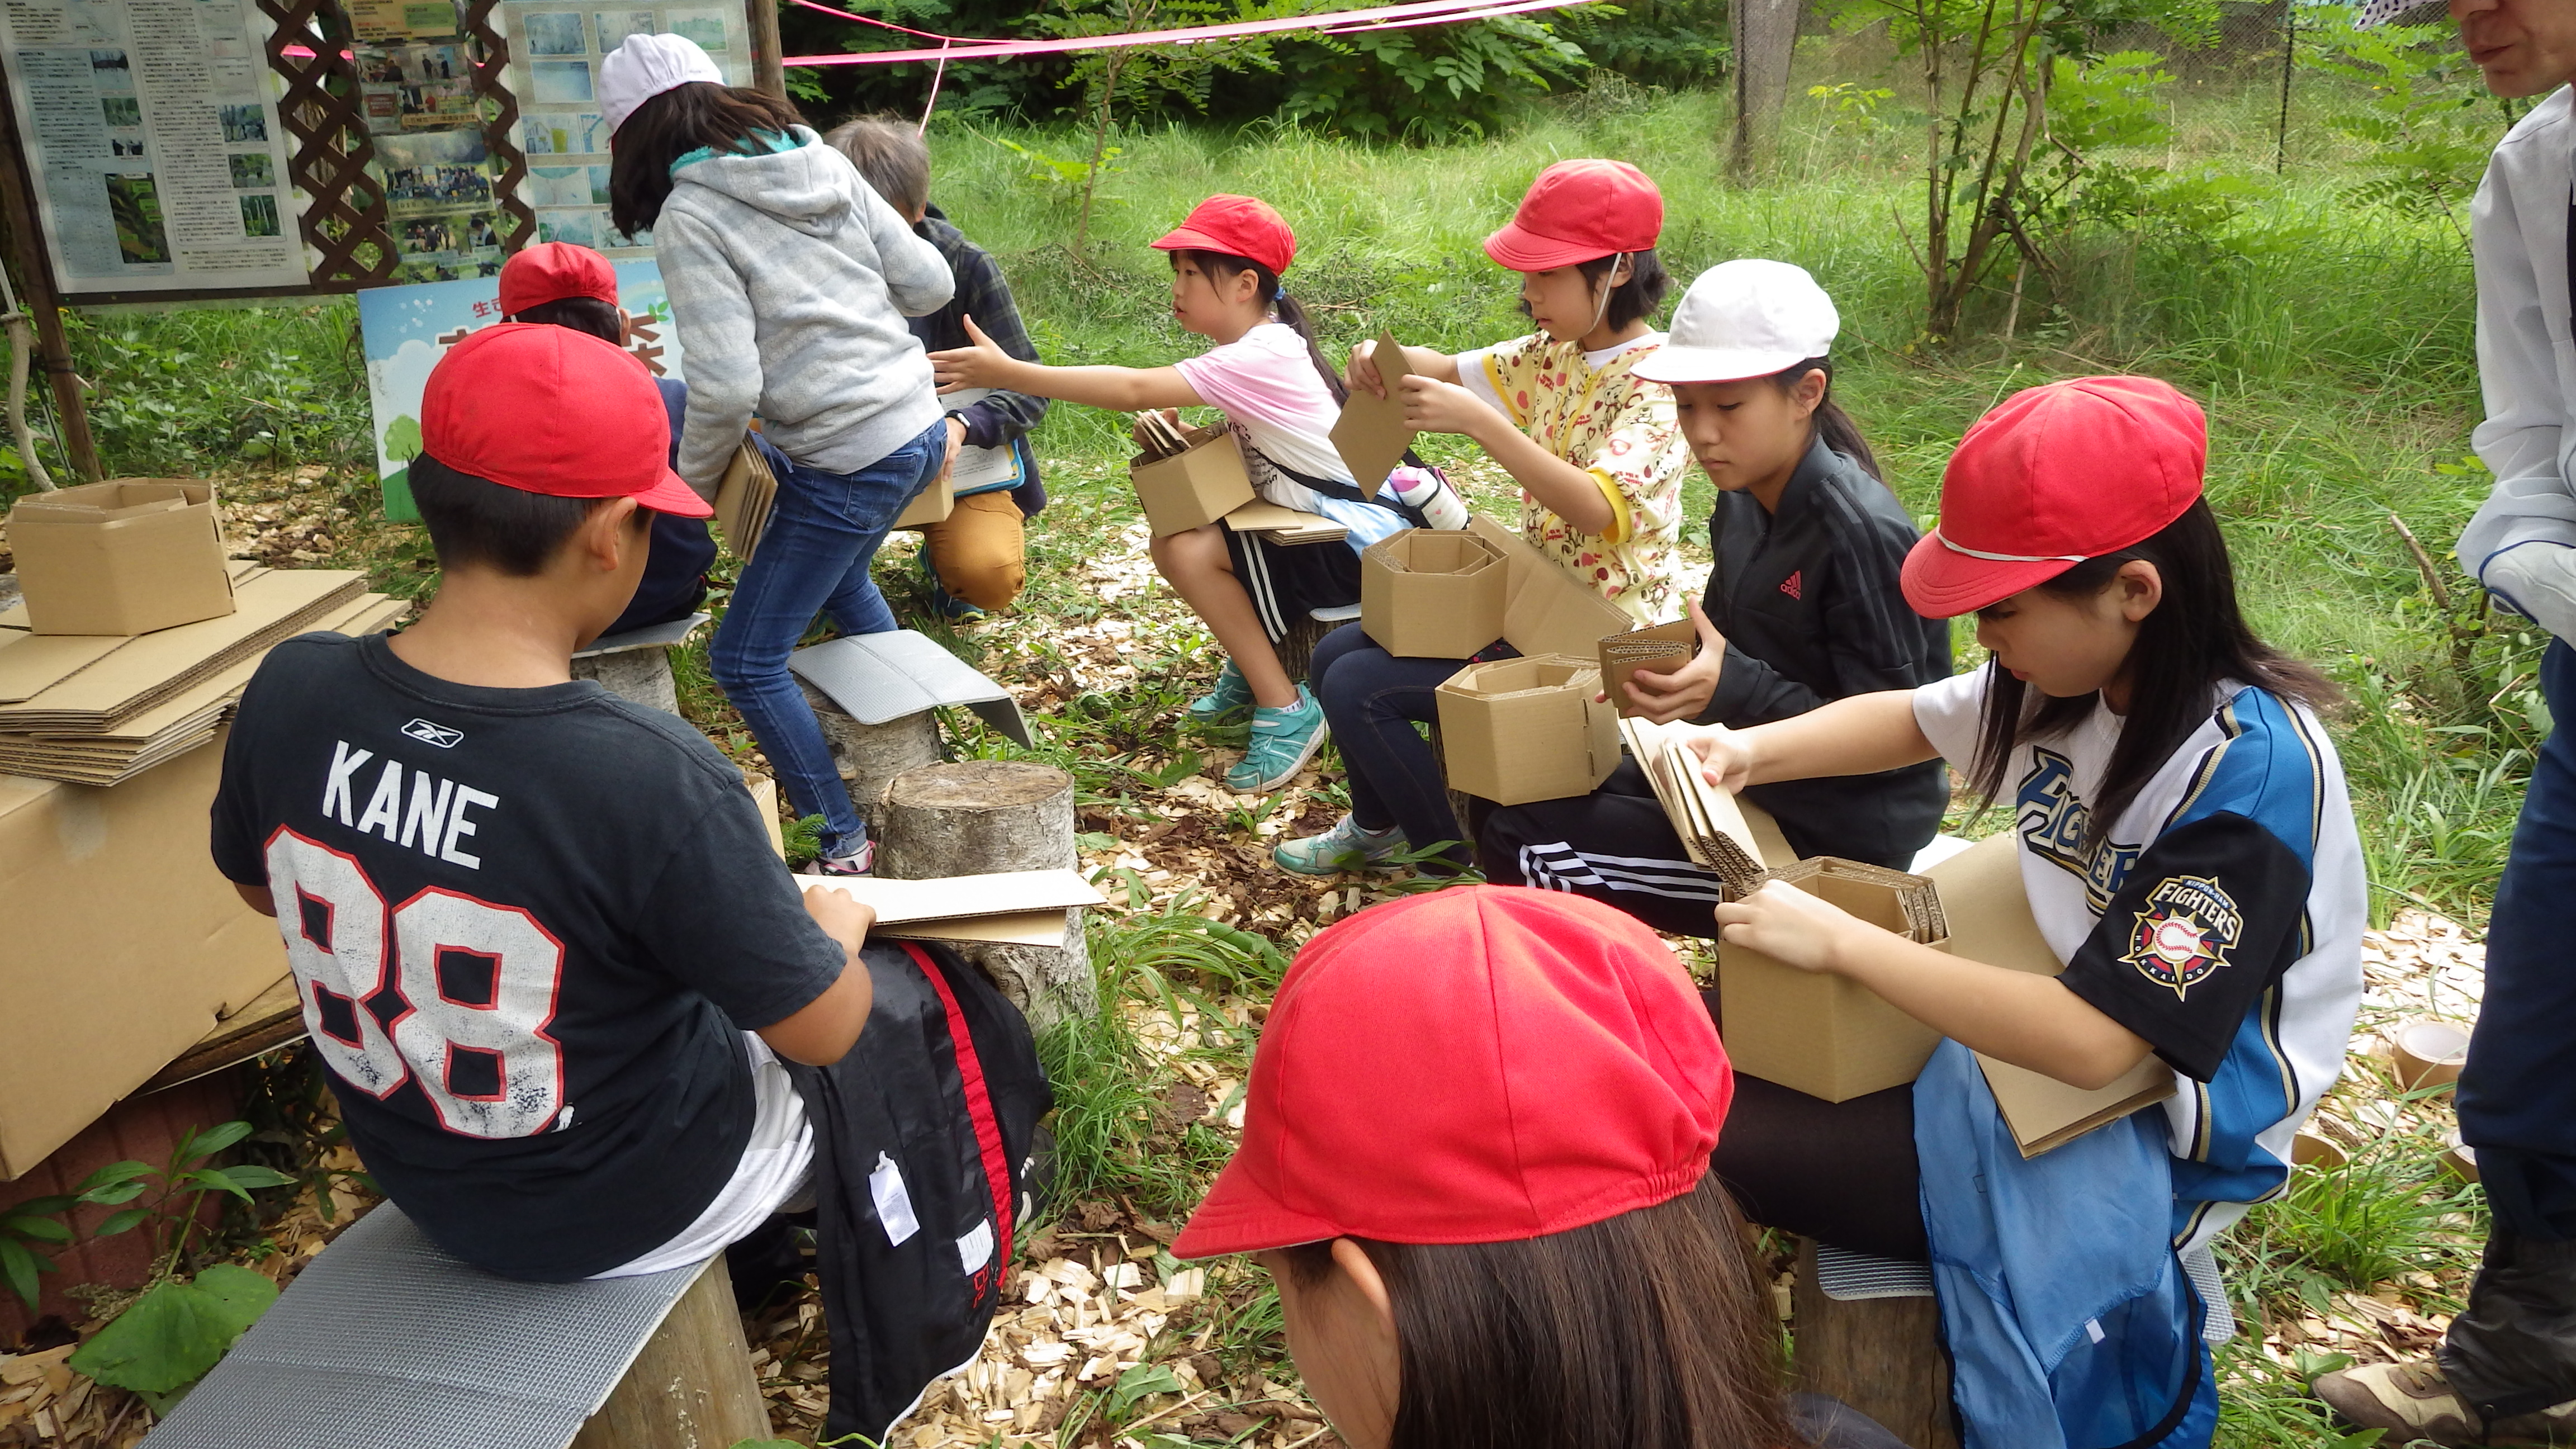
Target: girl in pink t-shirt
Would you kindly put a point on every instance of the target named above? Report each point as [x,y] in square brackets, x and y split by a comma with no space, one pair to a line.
[1282,399]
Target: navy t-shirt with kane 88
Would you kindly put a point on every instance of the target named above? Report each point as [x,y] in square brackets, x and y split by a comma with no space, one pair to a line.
[526,925]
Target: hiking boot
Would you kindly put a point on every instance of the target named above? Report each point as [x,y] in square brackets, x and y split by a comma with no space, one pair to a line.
[2413,1401]
[1230,697]
[1283,740]
[1344,847]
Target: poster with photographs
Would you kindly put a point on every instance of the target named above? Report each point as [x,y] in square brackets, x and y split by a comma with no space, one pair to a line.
[377,21]
[555,50]
[426,125]
[151,129]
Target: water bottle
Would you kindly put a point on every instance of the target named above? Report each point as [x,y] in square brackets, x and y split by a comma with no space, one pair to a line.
[1425,491]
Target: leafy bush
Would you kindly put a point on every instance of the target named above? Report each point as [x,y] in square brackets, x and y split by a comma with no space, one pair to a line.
[2419,110]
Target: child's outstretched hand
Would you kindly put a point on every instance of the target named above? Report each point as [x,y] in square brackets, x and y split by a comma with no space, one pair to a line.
[1788,925]
[1685,691]
[1441,407]
[959,368]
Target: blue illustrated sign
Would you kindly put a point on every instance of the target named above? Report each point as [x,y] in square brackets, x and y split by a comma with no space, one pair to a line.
[407,329]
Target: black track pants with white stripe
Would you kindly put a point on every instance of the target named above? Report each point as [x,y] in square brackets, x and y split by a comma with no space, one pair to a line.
[1613,845]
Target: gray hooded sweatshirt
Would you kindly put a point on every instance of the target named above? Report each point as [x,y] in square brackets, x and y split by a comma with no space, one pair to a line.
[789,280]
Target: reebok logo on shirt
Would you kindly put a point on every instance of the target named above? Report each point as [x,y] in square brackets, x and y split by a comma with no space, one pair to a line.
[433,820]
[431,733]
[1790,584]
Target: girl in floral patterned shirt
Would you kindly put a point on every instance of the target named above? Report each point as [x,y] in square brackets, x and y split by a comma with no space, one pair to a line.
[1597,453]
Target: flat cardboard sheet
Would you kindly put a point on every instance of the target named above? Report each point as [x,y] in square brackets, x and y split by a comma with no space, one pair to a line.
[1661,650]
[1284,525]
[142,671]
[1545,609]
[1025,906]
[1371,434]
[1989,914]
[743,500]
[881,677]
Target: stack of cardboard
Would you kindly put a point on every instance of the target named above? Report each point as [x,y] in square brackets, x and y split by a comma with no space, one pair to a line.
[744,498]
[94,709]
[1709,820]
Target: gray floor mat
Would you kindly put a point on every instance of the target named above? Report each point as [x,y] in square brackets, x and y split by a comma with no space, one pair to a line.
[386,1341]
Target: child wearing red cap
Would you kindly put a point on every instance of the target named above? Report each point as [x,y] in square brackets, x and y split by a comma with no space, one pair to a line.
[1802,608]
[544,949]
[1475,1159]
[1282,399]
[563,285]
[1594,445]
[2189,853]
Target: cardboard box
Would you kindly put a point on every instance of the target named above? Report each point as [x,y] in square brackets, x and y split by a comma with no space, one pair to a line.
[106,978]
[1821,1034]
[1661,649]
[1517,730]
[1988,910]
[1430,593]
[932,505]
[1197,487]
[127,556]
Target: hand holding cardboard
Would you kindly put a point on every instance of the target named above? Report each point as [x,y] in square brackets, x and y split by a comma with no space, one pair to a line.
[1371,434]
[1665,673]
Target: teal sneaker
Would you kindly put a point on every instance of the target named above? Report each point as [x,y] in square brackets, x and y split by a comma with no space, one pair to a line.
[1344,847]
[1230,697]
[1283,740]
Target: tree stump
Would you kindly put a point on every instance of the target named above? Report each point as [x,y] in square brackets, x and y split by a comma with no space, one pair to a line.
[1297,651]
[869,756]
[977,817]
[1765,33]
[641,675]
[1882,1356]
[693,1386]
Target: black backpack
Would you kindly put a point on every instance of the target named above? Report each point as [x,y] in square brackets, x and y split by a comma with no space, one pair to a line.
[925,1137]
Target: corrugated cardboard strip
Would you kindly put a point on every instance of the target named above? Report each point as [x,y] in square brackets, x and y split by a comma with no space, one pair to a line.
[1708,819]
[744,498]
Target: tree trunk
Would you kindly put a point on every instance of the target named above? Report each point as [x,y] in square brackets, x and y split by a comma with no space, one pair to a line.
[692,1387]
[977,817]
[1766,39]
[1882,1356]
[869,757]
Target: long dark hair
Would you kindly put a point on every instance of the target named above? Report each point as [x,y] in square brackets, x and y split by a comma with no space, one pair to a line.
[1650,1330]
[1832,424]
[670,126]
[1636,297]
[1222,265]
[2195,638]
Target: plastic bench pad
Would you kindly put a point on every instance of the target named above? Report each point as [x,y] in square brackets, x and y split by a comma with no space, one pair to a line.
[385,1340]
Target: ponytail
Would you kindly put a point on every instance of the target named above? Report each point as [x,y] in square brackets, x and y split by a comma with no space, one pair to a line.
[1266,287]
[1833,425]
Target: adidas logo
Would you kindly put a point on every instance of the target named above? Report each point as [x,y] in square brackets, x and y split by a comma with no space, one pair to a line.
[1790,584]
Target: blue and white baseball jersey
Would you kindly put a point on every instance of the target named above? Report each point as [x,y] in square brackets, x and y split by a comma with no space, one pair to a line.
[2220,918]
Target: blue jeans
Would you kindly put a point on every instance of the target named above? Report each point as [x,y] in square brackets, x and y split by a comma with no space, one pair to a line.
[1373,700]
[813,558]
[2517,1093]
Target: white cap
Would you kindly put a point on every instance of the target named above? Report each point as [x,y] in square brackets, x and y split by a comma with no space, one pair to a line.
[1742,319]
[644,67]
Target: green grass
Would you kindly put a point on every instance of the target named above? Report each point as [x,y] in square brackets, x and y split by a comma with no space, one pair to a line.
[2330,343]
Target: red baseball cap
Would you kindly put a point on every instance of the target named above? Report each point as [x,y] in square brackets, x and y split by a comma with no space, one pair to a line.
[1238,226]
[1476,1065]
[2052,476]
[555,411]
[1579,210]
[552,271]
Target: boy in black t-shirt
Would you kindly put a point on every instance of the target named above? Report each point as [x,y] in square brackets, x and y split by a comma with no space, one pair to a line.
[542,942]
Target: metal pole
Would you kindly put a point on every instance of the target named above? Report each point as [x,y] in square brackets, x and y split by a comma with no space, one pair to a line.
[2289,56]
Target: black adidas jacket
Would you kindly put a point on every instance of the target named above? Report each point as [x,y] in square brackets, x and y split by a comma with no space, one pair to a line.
[1808,601]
